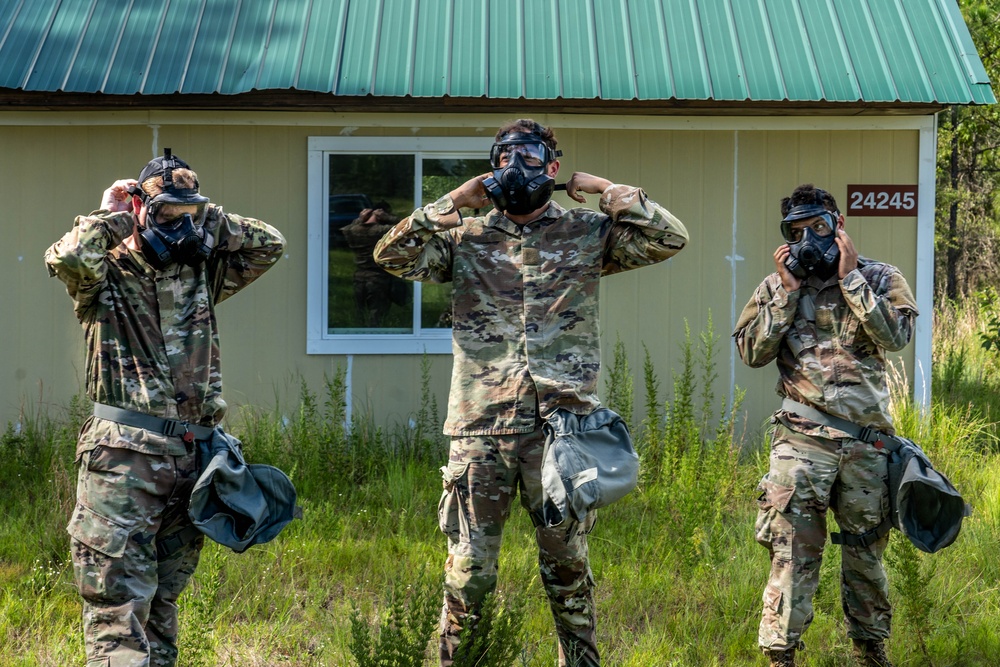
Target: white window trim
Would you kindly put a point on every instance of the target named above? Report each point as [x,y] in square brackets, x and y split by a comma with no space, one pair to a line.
[318,340]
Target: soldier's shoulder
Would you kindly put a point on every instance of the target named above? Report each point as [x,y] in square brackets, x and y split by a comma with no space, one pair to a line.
[771,281]
[876,272]
[474,224]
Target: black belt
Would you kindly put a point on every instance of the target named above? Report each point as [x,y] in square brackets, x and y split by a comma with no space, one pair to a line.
[170,427]
[863,433]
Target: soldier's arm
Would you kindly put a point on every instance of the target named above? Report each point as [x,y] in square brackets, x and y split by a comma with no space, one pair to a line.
[78,258]
[245,249]
[887,312]
[764,322]
[642,231]
[419,247]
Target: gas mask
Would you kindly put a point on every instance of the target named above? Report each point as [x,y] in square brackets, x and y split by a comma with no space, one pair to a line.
[812,252]
[180,239]
[521,186]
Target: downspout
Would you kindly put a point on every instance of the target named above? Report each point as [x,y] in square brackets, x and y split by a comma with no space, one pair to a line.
[348,393]
[924,288]
[733,258]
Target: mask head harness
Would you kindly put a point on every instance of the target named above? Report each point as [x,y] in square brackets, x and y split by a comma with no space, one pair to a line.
[811,251]
[521,186]
[179,239]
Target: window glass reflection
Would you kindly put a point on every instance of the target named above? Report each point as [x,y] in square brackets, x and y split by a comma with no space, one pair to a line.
[368,194]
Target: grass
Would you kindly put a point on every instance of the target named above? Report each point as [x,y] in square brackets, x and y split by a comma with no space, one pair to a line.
[679,575]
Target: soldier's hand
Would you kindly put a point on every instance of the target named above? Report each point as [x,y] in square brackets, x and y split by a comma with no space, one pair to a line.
[117,198]
[788,279]
[583,182]
[848,254]
[471,194]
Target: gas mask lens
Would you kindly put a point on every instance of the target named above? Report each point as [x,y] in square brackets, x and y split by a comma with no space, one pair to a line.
[172,219]
[823,227]
[534,154]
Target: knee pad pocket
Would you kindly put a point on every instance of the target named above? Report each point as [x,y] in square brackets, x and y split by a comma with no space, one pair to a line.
[452,518]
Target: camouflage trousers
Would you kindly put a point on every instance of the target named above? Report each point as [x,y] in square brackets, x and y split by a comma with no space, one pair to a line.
[129,563]
[808,475]
[483,476]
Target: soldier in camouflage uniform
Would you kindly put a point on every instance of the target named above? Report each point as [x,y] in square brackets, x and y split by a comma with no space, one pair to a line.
[828,330]
[525,342]
[373,287]
[152,350]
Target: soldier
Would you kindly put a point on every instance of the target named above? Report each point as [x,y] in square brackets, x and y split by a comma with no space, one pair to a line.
[526,341]
[145,273]
[827,316]
[373,287]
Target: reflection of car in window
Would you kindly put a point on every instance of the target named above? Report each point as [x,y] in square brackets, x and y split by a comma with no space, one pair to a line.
[343,210]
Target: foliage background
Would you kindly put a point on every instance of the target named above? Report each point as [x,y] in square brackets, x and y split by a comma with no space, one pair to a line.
[967,246]
[679,573]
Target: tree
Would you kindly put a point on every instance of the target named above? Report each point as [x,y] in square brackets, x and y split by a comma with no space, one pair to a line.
[968,170]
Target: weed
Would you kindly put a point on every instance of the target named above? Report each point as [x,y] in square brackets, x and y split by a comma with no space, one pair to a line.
[493,637]
[199,610]
[620,384]
[911,578]
[400,638]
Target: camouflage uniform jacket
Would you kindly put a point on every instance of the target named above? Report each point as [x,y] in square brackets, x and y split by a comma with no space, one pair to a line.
[525,300]
[829,339]
[361,238]
[152,342]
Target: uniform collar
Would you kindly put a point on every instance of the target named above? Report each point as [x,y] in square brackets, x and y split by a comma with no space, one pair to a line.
[498,220]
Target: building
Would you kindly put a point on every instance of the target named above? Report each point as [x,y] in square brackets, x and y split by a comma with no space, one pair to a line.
[300,111]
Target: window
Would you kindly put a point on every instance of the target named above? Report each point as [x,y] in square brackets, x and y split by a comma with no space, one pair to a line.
[358,188]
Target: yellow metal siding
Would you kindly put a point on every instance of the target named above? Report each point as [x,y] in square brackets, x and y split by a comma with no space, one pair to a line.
[52,173]
[771,164]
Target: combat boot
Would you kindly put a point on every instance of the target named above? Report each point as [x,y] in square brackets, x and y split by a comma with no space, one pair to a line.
[780,658]
[871,652]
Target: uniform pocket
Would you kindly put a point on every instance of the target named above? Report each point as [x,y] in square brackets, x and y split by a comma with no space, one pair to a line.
[774,495]
[772,599]
[453,517]
[772,500]
[98,532]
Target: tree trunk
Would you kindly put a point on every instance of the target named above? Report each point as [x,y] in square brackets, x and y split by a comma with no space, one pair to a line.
[951,263]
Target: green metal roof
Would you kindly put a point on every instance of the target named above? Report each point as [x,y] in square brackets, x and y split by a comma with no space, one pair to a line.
[725,51]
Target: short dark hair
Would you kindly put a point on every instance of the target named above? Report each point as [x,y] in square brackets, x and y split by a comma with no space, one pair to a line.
[528,126]
[808,194]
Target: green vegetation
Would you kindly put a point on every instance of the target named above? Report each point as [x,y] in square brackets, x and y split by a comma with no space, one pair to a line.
[679,573]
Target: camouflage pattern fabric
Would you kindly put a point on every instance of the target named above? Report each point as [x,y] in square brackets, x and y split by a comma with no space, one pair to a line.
[361,238]
[152,342]
[829,340]
[153,347]
[525,300]
[808,475]
[373,287]
[482,477]
[128,504]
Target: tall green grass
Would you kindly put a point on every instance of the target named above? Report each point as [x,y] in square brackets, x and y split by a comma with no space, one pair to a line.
[679,575]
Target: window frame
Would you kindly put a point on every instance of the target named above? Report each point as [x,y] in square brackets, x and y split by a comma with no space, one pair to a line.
[318,338]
